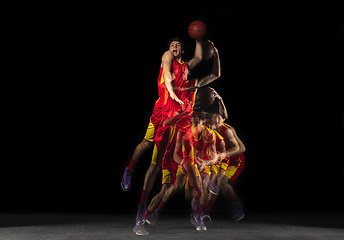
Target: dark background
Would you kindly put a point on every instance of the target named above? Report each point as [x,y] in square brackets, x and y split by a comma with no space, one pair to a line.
[88,86]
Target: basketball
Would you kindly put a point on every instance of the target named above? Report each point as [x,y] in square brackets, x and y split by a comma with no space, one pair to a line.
[197,30]
[208,50]
[204,97]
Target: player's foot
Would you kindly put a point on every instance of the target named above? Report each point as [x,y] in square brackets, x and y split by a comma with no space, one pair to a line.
[213,188]
[153,217]
[126,179]
[239,212]
[206,215]
[141,209]
[140,229]
[199,224]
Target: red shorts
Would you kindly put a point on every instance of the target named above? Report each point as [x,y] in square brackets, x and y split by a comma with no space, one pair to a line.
[237,164]
[169,169]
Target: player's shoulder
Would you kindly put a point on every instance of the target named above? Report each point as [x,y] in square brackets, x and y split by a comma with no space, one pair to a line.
[167,56]
[226,125]
[227,129]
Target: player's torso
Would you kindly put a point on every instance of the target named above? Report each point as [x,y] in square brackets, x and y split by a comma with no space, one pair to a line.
[179,78]
[204,143]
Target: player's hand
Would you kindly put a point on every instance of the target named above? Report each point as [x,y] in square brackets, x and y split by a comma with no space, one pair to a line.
[221,156]
[215,93]
[175,98]
[215,49]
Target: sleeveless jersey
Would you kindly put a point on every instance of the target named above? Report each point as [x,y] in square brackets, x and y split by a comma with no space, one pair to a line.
[170,107]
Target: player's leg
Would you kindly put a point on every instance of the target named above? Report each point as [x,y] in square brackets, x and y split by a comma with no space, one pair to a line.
[158,152]
[211,196]
[129,170]
[179,185]
[212,183]
[205,175]
[169,179]
[228,191]
[195,182]
[140,149]
[139,228]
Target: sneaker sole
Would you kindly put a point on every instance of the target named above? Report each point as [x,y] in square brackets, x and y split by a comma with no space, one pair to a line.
[237,220]
[140,233]
[201,229]
[126,190]
[206,217]
[214,192]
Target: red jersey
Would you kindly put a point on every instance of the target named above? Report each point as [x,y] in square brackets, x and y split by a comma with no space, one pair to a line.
[204,144]
[170,107]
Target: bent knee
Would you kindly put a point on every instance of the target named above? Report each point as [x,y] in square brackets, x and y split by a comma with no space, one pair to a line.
[146,144]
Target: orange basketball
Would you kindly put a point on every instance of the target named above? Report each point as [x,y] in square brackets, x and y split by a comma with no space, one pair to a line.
[197,30]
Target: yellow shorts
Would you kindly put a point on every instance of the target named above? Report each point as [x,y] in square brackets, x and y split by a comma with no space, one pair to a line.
[217,167]
[149,136]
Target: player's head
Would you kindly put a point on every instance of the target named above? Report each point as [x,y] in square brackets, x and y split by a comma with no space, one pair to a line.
[197,118]
[216,120]
[176,46]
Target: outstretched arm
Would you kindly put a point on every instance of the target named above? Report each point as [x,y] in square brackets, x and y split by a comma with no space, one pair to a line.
[215,73]
[198,55]
[222,106]
[166,62]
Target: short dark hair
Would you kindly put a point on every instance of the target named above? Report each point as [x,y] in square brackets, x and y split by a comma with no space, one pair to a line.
[178,39]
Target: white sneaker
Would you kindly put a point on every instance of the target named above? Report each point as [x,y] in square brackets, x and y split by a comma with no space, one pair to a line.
[140,229]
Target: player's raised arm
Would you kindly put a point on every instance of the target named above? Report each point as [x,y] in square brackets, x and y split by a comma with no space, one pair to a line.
[166,62]
[215,73]
[222,106]
[198,55]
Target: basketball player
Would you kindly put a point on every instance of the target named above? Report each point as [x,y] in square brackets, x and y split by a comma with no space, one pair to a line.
[165,90]
[170,176]
[181,122]
[231,169]
[173,74]
[202,144]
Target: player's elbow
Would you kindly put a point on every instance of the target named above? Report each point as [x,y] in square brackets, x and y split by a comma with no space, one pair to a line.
[214,76]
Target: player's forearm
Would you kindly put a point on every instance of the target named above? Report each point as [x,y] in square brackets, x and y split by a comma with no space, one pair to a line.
[176,158]
[206,80]
[198,50]
[222,108]
[215,73]
[171,121]
[168,84]
[233,151]
[210,162]
[216,64]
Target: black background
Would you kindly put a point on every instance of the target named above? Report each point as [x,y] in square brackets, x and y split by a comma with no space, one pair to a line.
[88,86]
